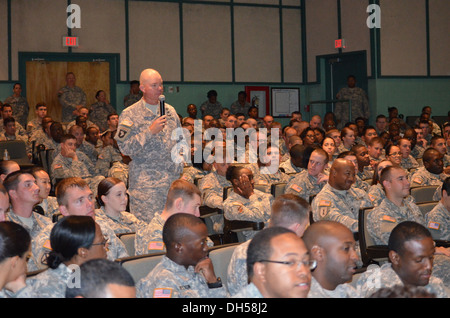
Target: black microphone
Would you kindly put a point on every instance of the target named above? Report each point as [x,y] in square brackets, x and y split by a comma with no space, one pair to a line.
[162,109]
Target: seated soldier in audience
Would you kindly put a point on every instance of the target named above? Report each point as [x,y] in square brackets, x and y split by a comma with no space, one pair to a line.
[365,171]
[375,150]
[424,126]
[411,250]
[10,133]
[212,186]
[56,133]
[48,204]
[100,110]
[73,163]
[93,137]
[421,143]
[183,197]
[438,219]
[113,199]
[75,198]
[336,135]
[42,136]
[278,266]
[7,167]
[185,271]
[394,208]
[380,124]
[369,132]
[266,172]
[113,121]
[23,195]
[394,155]
[73,240]
[288,211]
[197,168]
[36,123]
[287,132]
[244,202]
[430,173]
[329,146]
[82,145]
[416,150]
[347,139]
[111,162]
[286,161]
[6,113]
[376,191]
[394,132]
[333,247]
[101,278]
[407,162]
[438,143]
[359,183]
[309,182]
[82,120]
[338,200]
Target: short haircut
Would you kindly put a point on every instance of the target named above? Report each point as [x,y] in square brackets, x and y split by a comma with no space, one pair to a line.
[288,209]
[66,184]
[322,152]
[66,137]
[233,172]
[40,104]
[346,154]
[404,232]
[181,189]
[356,147]
[14,240]
[375,140]
[110,115]
[5,166]
[446,186]
[177,227]
[427,154]
[96,275]
[434,140]
[260,248]
[12,180]
[8,120]
[386,173]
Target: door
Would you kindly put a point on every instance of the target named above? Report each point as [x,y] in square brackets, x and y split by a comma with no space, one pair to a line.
[45,78]
[338,67]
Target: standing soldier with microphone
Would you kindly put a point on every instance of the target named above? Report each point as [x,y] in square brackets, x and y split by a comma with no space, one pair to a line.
[145,134]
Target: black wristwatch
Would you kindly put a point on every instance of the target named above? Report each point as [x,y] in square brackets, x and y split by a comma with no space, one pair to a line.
[217,284]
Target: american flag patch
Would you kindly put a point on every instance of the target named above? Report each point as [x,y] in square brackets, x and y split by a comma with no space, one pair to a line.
[434,225]
[162,293]
[155,245]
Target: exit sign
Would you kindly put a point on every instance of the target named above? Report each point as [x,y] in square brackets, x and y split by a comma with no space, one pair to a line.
[339,44]
[71,41]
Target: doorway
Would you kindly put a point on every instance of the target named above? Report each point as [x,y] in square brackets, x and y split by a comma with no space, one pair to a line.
[338,67]
[44,74]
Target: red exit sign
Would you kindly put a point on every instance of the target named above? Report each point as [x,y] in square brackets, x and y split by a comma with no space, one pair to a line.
[339,44]
[71,41]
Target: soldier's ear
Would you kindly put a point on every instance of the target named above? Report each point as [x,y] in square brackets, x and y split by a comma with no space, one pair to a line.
[317,253]
[178,247]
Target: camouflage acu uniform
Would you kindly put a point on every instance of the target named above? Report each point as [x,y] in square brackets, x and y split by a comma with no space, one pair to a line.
[438,222]
[249,291]
[257,208]
[409,163]
[131,99]
[50,206]
[89,150]
[98,114]
[289,168]
[340,205]
[417,151]
[33,125]
[214,110]
[377,277]
[63,167]
[41,244]
[382,219]
[366,174]
[341,291]
[422,177]
[70,98]
[304,185]
[51,283]
[236,107]
[125,223]
[152,169]
[107,156]
[19,129]
[192,173]
[237,278]
[20,108]
[211,186]
[39,224]
[170,280]
[360,105]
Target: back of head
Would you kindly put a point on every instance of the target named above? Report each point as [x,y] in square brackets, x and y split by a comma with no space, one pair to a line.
[96,275]
[260,248]
[289,209]
[177,227]
[318,232]
[67,236]
[181,189]
[14,240]
[445,187]
[404,232]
